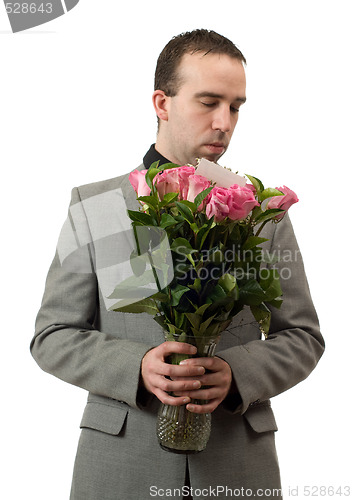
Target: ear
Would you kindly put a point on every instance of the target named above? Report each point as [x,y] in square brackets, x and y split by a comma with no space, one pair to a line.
[160,103]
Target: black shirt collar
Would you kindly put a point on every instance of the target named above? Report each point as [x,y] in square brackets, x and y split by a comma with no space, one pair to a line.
[152,156]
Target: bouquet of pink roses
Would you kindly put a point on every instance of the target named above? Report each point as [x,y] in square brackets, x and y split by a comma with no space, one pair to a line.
[212,219]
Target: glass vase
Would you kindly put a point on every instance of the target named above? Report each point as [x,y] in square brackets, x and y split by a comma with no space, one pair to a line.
[179,430]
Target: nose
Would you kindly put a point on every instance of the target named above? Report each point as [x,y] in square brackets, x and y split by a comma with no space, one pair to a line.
[222,120]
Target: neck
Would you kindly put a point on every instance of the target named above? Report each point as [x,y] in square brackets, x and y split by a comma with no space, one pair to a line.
[161,146]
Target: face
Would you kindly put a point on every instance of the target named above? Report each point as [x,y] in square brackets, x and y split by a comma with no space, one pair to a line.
[199,121]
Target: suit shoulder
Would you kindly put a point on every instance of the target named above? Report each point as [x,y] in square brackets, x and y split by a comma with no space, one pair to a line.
[99,187]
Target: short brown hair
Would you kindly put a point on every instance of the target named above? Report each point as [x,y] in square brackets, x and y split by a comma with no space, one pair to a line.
[200,40]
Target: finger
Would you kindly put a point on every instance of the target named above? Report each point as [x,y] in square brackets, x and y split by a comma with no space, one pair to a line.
[204,394]
[176,371]
[206,408]
[159,367]
[171,347]
[209,379]
[165,398]
[177,386]
[208,363]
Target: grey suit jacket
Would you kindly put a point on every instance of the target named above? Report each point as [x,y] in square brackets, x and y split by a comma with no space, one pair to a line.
[78,340]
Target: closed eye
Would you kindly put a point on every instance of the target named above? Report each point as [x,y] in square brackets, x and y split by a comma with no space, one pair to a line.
[233,109]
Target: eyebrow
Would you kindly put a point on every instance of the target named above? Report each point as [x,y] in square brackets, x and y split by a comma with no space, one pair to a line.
[218,96]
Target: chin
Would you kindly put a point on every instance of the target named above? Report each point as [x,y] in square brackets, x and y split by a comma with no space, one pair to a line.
[213,158]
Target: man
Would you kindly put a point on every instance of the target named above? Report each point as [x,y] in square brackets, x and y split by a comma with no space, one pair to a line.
[120,358]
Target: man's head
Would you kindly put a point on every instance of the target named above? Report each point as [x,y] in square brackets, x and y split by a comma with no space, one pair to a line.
[199,86]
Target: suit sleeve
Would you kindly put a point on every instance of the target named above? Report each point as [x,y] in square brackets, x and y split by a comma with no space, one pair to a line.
[264,368]
[67,345]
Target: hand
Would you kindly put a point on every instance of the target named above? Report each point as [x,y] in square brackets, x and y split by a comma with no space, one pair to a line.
[160,377]
[218,381]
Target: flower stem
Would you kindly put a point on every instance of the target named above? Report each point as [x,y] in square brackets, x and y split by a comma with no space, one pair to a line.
[260,228]
[154,272]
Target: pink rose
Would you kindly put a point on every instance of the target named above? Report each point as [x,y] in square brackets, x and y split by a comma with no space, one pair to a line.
[184,174]
[284,202]
[167,182]
[196,185]
[137,179]
[252,188]
[174,180]
[241,202]
[217,204]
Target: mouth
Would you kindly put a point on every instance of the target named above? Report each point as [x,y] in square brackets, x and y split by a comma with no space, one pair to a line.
[217,148]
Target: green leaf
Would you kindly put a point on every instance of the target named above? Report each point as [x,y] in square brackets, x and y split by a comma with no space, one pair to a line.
[161,320]
[215,255]
[217,293]
[160,297]
[138,263]
[168,199]
[179,319]
[271,284]
[263,316]
[167,220]
[256,212]
[203,233]
[203,326]
[143,306]
[268,214]
[197,286]
[276,303]
[134,294]
[141,217]
[131,284]
[269,193]
[190,205]
[176,294]
[149,176]
[252,242]
[194,319]
[252,293]
[155,164]
[201,310]
[151,201]
[174,330]
[201,196]
[256,183]
[227,282]
[194,227]
[222,305]
[185,211]
[182,246]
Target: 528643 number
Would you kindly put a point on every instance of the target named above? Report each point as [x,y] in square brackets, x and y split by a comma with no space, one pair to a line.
[326,491]
[28,8]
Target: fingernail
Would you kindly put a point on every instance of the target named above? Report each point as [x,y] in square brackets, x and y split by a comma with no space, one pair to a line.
[190,407]
[186,400]
[196,384]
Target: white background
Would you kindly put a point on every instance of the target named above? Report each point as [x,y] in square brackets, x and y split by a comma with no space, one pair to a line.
[76,108]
